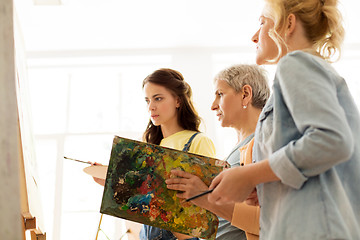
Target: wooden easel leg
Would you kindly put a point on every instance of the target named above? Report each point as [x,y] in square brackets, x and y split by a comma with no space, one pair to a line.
[29,221]
[37,235]
[24,230]
[98,230]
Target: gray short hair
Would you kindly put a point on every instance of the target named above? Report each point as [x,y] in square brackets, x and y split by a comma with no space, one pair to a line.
[240,75]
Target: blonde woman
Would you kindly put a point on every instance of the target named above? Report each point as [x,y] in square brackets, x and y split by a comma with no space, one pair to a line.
[307,141]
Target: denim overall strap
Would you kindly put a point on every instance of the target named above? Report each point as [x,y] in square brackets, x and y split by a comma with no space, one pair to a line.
[187,145]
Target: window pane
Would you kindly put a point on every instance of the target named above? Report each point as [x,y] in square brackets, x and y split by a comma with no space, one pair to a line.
[94,101]
[48,94]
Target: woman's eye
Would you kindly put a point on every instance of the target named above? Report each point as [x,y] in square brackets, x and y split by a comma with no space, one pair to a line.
[220,94]
[262,21]
[158,99]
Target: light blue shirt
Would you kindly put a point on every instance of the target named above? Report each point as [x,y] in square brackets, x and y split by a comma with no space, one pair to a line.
[310,132]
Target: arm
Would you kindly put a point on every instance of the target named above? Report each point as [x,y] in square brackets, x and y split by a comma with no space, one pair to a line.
[191,185]
[306,87]
[246,178]
[309,93]
[240,215]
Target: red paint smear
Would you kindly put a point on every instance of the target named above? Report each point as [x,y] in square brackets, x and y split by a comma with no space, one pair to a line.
[145,186]
[164,217]
[150,161]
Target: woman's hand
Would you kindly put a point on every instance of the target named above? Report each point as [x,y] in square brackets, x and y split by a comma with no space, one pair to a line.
[236,184]
[99,181]
[252,199]
[231,185]
[188,184]
[95,163]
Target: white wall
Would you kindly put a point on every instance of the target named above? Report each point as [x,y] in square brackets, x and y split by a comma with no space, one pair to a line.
[86,62]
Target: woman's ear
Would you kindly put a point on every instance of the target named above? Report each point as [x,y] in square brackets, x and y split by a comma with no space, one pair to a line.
[291,21]
[178,102]
[247,94]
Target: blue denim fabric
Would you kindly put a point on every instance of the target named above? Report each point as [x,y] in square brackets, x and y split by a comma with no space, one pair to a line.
[153,233]
[309,130]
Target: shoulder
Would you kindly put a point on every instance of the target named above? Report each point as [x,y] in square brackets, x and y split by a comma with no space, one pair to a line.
[300,64]
[202,138]
[189,133]
[297,60]
[298,54]
[294,59]
[203,145]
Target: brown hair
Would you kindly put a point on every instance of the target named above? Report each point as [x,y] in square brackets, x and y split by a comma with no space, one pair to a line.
[321,19]
[188,118]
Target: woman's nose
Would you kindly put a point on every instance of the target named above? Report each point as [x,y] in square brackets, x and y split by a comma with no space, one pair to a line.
[255,38]
[151,106]
[214,105]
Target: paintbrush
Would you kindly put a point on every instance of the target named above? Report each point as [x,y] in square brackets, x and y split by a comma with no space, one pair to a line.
[77,160]
[199,195]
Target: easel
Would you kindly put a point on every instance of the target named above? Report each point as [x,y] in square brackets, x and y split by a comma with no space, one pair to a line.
[19,199]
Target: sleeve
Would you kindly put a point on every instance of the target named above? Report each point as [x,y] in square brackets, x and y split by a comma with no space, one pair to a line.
[203,145]
[310,94]
[246,217]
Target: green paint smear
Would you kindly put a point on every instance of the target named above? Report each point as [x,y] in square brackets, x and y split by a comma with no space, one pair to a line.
[128,161]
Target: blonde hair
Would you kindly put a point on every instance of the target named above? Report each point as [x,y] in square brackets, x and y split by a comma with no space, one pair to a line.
[240,75]
[321,19]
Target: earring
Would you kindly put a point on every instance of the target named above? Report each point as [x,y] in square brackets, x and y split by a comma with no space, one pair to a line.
[244,106]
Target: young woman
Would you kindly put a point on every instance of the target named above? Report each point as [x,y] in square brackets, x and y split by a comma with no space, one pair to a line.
[174,123]
[307,141]
[241,91]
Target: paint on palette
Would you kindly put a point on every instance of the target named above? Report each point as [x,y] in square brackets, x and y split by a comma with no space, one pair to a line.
[135,187]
